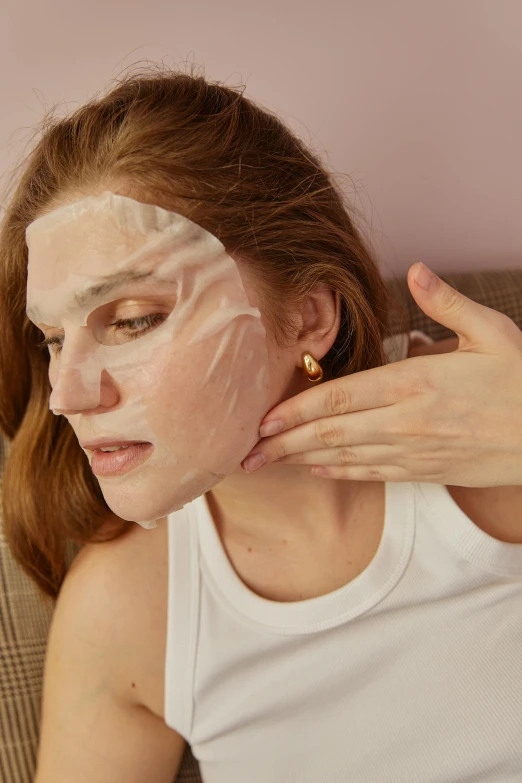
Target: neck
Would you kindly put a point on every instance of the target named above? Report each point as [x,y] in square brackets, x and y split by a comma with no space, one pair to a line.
[284,500]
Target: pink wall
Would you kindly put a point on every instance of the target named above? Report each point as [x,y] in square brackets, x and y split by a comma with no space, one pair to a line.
[419,102]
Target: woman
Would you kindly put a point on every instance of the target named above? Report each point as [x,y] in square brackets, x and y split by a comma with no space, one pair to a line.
[286,627]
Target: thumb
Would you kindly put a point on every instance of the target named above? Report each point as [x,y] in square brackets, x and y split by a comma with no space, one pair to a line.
[472,322]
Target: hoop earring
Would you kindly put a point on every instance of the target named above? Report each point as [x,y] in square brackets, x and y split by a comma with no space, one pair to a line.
[312,368]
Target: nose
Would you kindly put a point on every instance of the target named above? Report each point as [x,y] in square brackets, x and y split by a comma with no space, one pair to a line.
[78,389]
[78,379]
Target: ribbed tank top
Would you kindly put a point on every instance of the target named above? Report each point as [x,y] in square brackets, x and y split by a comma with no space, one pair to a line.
[410,673]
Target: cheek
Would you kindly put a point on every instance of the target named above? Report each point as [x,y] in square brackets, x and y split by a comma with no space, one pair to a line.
[205,401]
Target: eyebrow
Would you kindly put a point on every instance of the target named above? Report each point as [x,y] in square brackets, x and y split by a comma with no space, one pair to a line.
[96,291]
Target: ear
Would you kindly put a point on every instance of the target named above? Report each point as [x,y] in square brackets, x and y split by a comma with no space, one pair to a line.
[321,319]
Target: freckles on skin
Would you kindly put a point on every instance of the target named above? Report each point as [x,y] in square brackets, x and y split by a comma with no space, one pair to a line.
[195,398]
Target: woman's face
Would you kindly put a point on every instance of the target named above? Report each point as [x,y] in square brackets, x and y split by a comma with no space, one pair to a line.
[195,381]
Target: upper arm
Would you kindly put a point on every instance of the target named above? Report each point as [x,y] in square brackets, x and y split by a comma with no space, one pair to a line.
[495,510]
[91,732]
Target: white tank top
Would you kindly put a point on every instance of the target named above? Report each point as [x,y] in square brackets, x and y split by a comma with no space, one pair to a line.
[410,673]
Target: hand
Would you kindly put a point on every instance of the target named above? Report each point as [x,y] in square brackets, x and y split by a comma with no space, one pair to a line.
[453,418]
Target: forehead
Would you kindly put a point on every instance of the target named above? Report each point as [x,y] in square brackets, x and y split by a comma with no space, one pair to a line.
[108,233]
[96,224]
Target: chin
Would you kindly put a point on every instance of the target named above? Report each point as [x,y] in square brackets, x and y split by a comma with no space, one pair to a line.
[145,503]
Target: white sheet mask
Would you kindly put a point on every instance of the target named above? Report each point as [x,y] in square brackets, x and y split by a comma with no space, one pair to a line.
[196,386]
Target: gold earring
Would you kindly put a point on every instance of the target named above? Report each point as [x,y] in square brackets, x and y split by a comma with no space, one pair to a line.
[312,368]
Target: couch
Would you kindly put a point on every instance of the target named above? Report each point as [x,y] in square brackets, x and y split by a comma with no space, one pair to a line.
[25,616]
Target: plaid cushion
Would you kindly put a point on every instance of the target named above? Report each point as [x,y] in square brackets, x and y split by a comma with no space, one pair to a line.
[25,616]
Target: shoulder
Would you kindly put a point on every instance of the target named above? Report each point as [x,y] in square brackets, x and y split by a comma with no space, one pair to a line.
[115,597]
[102,712]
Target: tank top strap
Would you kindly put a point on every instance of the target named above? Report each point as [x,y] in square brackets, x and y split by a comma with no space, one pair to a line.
[182,619]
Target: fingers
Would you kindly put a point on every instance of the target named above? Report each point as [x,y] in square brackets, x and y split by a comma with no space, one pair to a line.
[391,473]
[477,326]
[375,388]
[366,428]
[344,455]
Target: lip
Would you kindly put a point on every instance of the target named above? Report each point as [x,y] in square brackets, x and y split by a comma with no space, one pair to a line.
[105,443]
[118,463]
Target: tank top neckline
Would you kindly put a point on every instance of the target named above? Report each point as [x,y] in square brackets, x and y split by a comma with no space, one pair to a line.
[325,611]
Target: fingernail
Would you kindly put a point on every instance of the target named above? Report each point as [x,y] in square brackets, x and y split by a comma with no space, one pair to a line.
[253,462]
[271,428]
[425,278]
[320,470]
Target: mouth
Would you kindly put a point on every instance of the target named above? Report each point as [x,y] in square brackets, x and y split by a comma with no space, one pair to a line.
[117,461]
[110,445]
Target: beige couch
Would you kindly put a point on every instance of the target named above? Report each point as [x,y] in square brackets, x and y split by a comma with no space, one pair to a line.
[25,617]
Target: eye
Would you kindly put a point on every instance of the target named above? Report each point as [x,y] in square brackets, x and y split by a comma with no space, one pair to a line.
[147,322]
